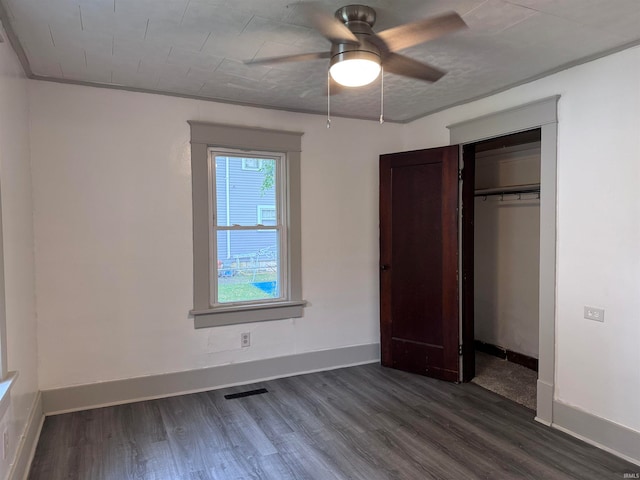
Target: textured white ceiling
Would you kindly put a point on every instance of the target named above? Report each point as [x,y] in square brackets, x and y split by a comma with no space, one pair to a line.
[196,47]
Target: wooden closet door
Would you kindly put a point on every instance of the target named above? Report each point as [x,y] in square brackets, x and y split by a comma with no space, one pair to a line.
[419,320]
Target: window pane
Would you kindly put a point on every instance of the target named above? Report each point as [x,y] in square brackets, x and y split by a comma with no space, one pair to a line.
[248,265]
[245,187]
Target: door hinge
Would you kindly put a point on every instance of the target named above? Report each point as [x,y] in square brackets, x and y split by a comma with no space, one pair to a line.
[459,349]
[460,174]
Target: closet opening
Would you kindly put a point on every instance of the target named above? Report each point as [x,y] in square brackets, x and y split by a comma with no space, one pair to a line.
[505,251]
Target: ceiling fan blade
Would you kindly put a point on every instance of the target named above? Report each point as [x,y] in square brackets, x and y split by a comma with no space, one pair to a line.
[329,26]
[407,67]
[301,57]
[415,33]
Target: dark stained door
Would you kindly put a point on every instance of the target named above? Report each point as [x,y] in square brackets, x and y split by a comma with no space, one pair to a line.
[419,319]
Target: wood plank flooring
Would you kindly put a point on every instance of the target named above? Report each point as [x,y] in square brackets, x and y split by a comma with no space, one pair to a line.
[365,422]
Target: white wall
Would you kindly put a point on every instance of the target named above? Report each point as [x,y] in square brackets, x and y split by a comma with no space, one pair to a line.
[111,173]
[598,256]
[507,251]
[17,225]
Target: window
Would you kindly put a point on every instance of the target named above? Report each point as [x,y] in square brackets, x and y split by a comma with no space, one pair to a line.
[267,215]
[249,253]
[3,311]
[7,379]
[251,164]
[246,224]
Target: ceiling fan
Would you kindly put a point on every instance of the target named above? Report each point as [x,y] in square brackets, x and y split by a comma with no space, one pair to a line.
[358,53]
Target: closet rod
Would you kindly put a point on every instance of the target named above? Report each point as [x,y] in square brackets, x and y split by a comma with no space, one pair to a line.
[510,190]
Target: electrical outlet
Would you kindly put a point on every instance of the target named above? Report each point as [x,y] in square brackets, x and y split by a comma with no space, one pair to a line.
[593,313]
[5,444]
[245,340]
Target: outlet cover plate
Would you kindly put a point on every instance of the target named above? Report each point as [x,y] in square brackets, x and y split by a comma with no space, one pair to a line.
[594,313]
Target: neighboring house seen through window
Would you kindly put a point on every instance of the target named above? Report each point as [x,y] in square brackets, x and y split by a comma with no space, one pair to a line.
[249,249]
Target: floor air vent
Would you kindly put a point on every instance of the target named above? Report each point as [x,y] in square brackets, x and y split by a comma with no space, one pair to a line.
[248,393]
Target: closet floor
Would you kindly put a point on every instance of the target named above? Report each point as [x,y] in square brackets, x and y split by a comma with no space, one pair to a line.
[508,379]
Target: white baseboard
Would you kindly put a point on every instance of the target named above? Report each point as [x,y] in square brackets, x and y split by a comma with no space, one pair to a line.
[82,397]
[544,402]
[28,441]
[542,421]
[609,436]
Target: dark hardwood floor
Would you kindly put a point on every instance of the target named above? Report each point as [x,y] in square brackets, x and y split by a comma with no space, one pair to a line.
[364,422]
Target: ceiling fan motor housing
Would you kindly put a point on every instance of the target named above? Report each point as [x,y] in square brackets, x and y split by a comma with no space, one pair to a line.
[356,13]
[359,19]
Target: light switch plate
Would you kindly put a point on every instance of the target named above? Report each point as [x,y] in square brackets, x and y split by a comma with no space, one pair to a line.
[594,313]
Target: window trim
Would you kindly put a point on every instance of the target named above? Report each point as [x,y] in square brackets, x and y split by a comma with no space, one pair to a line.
[220,136]
[3,311]
[7,379]
[282,218]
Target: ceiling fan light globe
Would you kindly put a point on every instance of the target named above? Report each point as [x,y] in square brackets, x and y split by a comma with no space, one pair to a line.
[355,72]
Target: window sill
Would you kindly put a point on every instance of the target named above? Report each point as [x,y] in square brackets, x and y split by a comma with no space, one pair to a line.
[236,314]
[5,390]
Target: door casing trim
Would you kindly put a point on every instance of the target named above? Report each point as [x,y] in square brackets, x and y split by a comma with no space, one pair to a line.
[541,114]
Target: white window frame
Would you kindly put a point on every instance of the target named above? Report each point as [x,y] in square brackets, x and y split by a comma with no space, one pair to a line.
[281,226]
[205,136]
